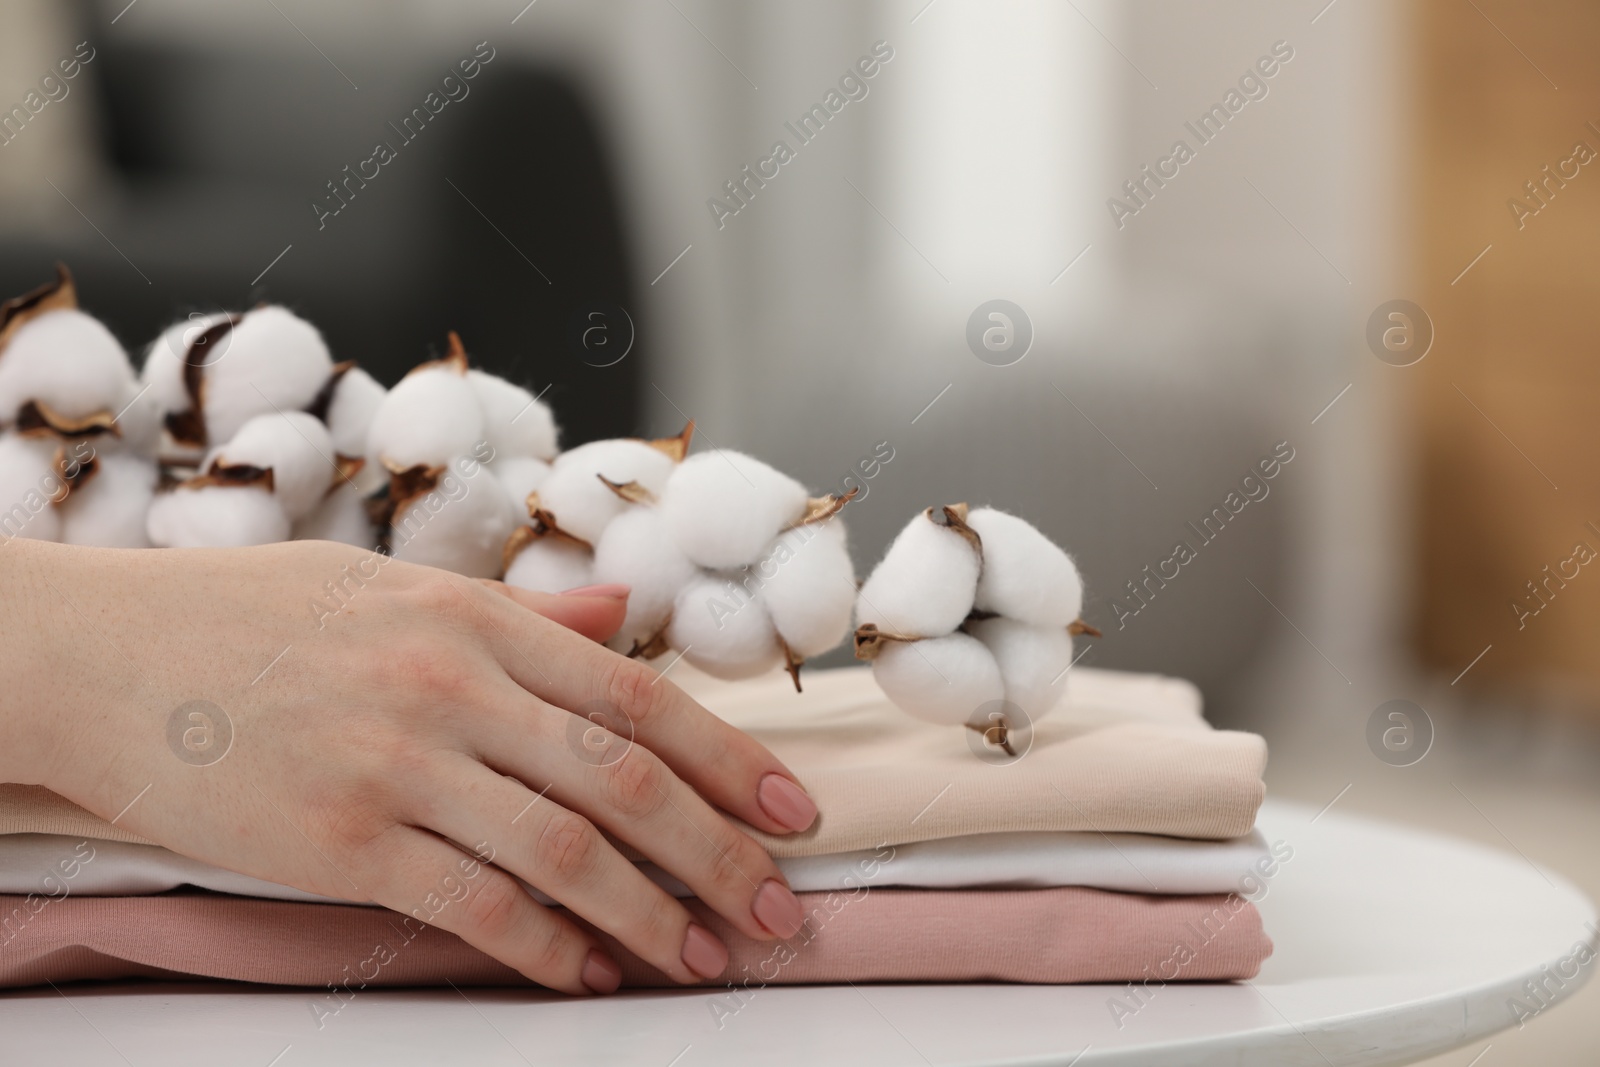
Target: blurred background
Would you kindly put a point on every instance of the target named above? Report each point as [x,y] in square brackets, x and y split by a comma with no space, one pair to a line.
[1374,256]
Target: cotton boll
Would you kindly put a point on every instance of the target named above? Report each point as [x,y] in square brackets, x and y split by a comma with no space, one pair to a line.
[945,680]
[636,551]
[518,425]
[355,400]
[370,478]
[342,517]
[432,416]
[298,450]
[273,360]
[138,425]
[580,502]
[461,525]
[726,634]
[520,475]
[1032,659]
[552,564]
[216,516]
[1025,575]
[812,586]
[724,507]
[66,360]
[926,583]
[28,486]
[164,361]
[110,508]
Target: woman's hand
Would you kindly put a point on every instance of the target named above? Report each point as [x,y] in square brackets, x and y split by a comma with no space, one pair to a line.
[367,727]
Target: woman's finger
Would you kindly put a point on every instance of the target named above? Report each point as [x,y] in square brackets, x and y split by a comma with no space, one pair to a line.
[727,766]
[562,854]
[436,883]
[634,796]
[594,611]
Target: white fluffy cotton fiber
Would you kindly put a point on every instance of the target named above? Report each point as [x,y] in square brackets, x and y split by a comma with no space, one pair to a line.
[551,564]
[809,586]
[461,525]
[580,502]
[295,447]
[428,419]
[66,360]
[273,360]
[519,476]
[109,509]
[723,633]
[341,516]
[1033,660]
[926,583]
[29,487]
[216,516]
[635,551]
[516,423]
[1025,575]
[945,680]
[723,507]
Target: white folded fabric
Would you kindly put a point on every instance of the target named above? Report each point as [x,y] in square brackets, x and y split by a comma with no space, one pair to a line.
[1131,863]
[52,865]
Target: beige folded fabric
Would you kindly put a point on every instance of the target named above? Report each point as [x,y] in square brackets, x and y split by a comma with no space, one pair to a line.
[1123,753]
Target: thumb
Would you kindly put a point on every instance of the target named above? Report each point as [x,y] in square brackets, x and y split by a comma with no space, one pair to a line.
[595,611]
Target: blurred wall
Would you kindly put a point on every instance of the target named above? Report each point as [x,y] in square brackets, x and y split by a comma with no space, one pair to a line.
[1508,207]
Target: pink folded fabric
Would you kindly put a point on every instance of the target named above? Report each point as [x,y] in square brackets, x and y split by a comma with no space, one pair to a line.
[876,935]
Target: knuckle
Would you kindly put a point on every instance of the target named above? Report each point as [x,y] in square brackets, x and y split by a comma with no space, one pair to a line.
[350,823]
[568,849]
[432,670]
[636,784]
[555,953]
[663,922]
[630,686]
[451,600]
[436,595]
[496,909]
[735,860]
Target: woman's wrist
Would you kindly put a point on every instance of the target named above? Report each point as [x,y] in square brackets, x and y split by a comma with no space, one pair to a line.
[39,696]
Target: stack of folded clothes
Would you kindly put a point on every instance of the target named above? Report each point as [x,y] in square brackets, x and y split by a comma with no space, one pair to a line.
[1113,850]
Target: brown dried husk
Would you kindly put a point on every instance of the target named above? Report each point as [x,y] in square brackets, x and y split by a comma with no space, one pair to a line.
[653,646]
[236,475]
[37,419]
[954,516]
[869,640]
[822,508]
[318,408]
[455,357]
[1002,728]
[675,447]
[75,479]
[59,295]
[345,469]
[632,492]
[406,484]
[792,663]
[543,525]
[188,428]
[1075,628]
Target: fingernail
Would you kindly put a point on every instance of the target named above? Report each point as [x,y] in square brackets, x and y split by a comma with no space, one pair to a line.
[601,973]
[703,953]
[777,909]
[786,802]
[614,591]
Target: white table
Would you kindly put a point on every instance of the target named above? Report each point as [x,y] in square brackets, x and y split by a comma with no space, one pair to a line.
[1392,945]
